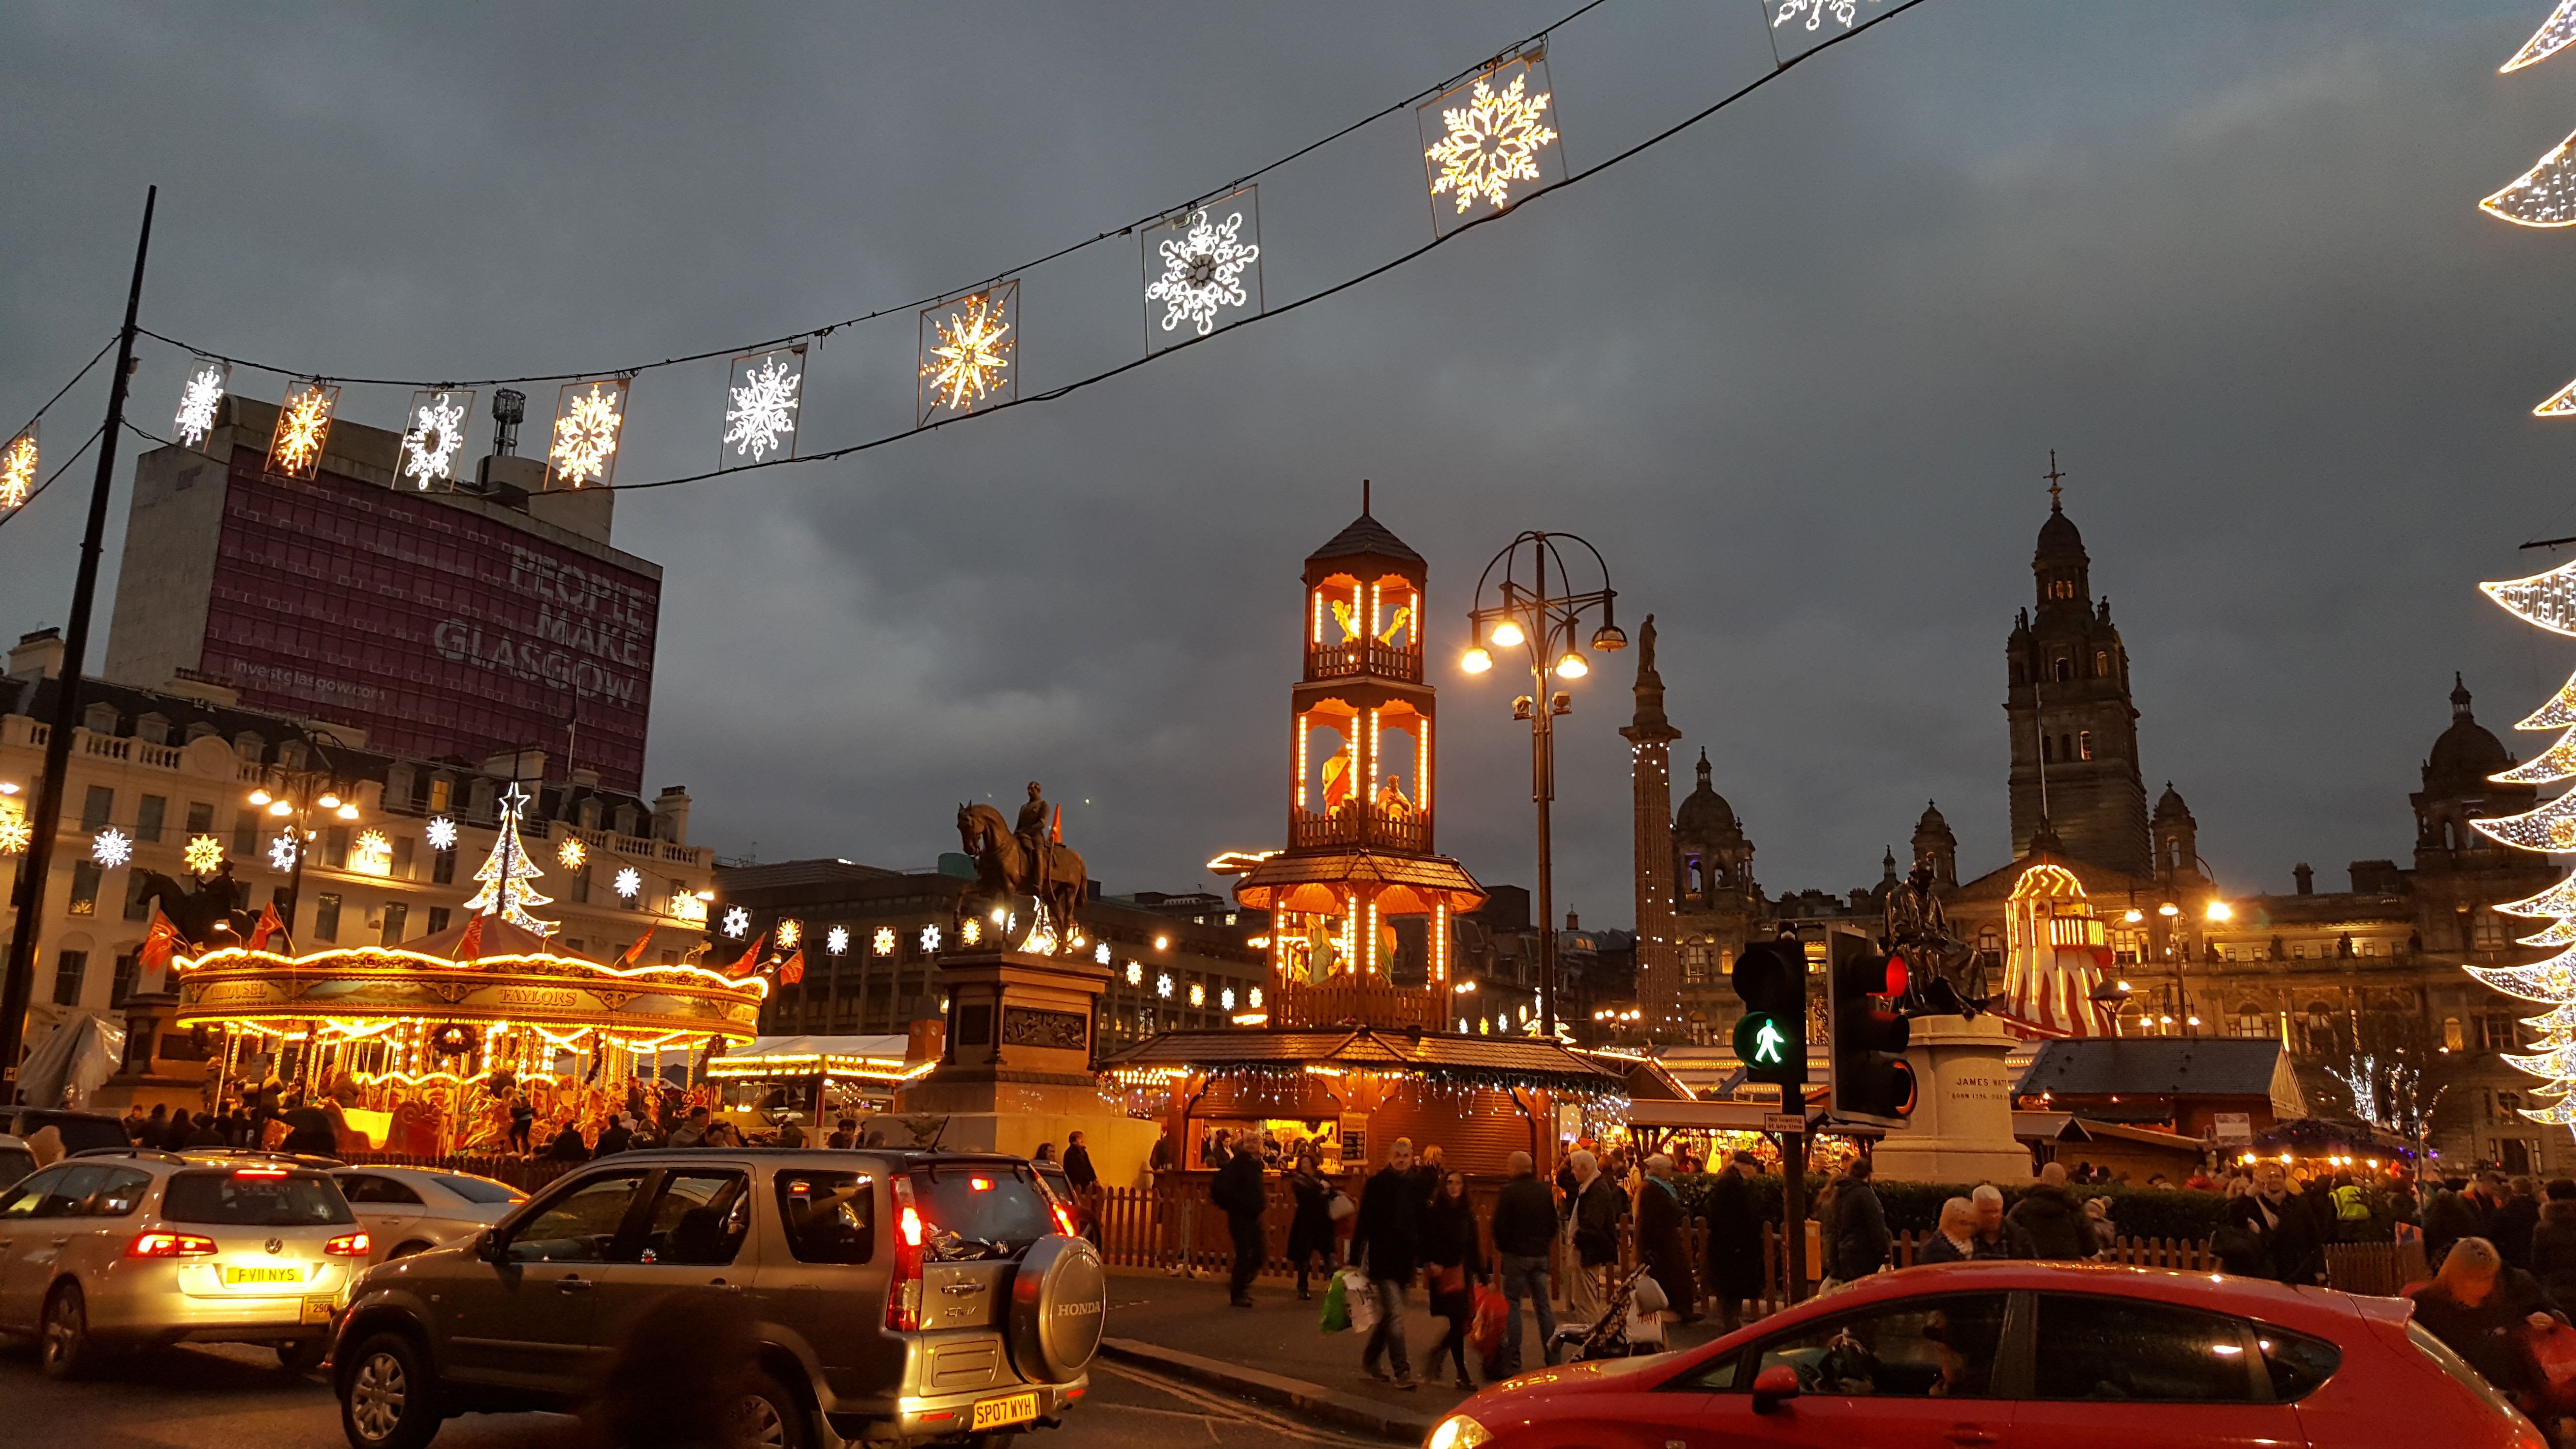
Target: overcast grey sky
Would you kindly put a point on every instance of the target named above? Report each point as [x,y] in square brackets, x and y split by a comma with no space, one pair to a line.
[1796,372]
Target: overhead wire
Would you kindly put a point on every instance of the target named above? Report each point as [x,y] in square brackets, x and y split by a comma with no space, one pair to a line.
[67,387]
[932,300]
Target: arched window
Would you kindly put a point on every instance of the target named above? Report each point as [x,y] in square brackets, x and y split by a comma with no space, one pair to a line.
[2065,669]
[2083,744]
[2251,1023]
[2101,663]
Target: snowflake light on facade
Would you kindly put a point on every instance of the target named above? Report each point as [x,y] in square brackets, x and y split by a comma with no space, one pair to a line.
[198,400]
[588,417]
[1815,11]
[967,355]
[372,853]
[303,426]
[15,833]
[762,419]
[737,922]
[971,932]
[1163,986]
[572,852]
[930,938]
[18,469]
[1203,272]
[1255,1000]
[883,943]
[1492,141]
[1198,994]
[442,833]
[281,852]
[205,855]
[111,847]
[435,437]
[1100,954]
[1225,998]
[1135,973]
[790,932]
[836,941]
[629,883]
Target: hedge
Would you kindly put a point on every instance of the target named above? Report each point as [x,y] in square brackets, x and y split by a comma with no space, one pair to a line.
[1916,1206]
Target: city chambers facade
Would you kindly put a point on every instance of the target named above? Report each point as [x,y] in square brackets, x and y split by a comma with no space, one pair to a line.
[2344,979]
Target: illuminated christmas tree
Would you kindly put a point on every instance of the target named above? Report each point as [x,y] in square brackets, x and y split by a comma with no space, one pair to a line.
[2546,601]
[505,875]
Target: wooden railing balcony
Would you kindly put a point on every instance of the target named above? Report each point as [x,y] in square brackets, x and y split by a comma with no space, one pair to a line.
[1364,656]
[1301,1005]
[1360,826]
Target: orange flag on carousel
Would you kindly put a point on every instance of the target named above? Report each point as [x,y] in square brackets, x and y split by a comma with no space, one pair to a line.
[159,944]
[750,959]
[635,954]
[269,925]
[469,947]
[792,970]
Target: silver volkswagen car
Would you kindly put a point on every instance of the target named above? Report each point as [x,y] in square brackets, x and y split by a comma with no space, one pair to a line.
[116,1249]
[408,1210]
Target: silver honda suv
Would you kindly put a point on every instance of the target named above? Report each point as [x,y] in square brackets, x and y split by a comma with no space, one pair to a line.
[896,1298]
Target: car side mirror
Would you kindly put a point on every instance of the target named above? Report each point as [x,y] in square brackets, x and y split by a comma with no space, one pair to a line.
[1773,1387]
[491,1247]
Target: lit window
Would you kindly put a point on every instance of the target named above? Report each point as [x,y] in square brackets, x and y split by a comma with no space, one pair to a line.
[2083,744]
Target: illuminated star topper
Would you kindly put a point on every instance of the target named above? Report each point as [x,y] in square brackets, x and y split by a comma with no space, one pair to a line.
[968,348]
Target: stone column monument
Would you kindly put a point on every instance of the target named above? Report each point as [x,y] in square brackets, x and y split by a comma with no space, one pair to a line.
[1962,1125]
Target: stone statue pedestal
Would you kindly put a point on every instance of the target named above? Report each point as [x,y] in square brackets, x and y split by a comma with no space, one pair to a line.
[1016,1069]
[1962,1124]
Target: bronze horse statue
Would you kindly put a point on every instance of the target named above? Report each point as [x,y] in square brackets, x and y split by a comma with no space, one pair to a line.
[217,913]
[1005,872]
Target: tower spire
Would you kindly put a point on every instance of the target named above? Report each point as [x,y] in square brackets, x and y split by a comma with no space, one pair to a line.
[2054,477]
[1650,738]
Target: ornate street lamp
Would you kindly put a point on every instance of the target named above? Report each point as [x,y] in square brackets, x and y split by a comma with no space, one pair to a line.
[1547,627]
[294,797]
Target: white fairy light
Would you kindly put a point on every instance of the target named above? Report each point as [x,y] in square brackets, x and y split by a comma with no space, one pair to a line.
[1203,272]
[441,833]
[198,400]
[629,883]
[111,847]
[764,407]
[435,437]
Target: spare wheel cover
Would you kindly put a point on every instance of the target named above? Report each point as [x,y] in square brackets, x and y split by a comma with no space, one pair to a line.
[1059,1304]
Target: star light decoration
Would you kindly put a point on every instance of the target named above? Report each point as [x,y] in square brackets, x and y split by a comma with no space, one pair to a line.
[883,942]
[204,855]
[930,938]
[790,932]
[1203,271]
[435,437]
[588,418]
[2552,37]
[629,883]
[762,418]
[15,833]
[737,922]
[836,941]
[198,399]
[303,426]
[572,852]
[281,852]
[1490,142]
[442,833]
[967,351]
[2547,601]
[18,469]
[111,847]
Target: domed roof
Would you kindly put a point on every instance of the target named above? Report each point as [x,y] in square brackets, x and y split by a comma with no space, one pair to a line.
[1705,814]
[1932,819]
[2466,753]
[2170,802]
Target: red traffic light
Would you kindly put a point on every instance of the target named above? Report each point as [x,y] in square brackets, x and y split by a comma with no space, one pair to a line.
[1897,976]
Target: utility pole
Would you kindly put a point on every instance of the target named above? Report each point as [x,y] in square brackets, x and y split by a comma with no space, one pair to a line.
[17,985]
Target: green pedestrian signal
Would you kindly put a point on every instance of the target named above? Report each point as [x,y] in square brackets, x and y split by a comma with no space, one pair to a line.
[1770,977]
[1759,1042]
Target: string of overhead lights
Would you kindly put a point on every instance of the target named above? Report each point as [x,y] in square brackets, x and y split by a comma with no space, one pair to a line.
[1489,144]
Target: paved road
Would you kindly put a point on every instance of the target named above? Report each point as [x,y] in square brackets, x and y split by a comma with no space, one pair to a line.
[237,1398]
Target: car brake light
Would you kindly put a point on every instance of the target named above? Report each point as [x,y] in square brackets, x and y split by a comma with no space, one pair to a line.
[903,1290]
[980,1184]
[169,1245]
[259,1172]
[1063,1220]
[347,1245]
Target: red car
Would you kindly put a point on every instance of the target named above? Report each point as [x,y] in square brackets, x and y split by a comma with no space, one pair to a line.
[2023,1356]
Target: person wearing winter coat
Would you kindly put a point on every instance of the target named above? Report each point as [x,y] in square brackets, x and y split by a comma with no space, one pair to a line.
[1734,1240]
[2284,1223]
[1237,1190]
[2509,1227]
[1449,1255]
[1663,1239]
[1860,1241]
[1592,1211]
[2058,1228]
[1310,1232]
[2553,1242]
[2486,1310]
[1388,1240]
[1524,1225]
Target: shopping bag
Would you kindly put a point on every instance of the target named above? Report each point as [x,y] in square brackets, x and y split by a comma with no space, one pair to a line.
[1337,1308]
[1362,1303]
[1491,1310]
[2553,1352]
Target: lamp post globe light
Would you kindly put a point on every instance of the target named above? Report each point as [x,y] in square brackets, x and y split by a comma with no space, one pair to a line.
[1515,610]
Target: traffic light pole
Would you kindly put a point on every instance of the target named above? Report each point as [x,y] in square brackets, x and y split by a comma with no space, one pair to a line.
[1793,1198]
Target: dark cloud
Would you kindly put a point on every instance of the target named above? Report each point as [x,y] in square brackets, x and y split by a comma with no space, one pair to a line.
[1796,373]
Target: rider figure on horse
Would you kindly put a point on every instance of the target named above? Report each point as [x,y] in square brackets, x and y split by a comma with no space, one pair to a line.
[1033,832]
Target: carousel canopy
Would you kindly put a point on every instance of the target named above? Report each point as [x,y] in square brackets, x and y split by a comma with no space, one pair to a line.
[878,1057]
[1405,884]
[1499,1061]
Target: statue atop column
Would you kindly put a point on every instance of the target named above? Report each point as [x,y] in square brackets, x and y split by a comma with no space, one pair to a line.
[1026,861]
[1943,976]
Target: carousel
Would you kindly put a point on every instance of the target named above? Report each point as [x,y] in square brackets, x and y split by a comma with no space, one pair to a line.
[430,1047]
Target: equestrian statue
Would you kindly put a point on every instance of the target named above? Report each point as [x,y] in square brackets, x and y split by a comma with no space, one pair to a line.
[217,913]
[1027,862]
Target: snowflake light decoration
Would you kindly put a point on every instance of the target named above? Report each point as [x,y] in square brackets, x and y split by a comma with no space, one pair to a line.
[1100,954]
[1203,272]
[1225,998]
[930,938]
[572,852]
[837,941]
[762,418]
[442,833]
[737,922]
[1815,11]
[435,437]
[1163,986]
[883,942]
[790,932]
[198,400]
[588,417]
[629,883]
[1492,141]
[111,847]
[18,469]
[15,833]
[372,853]
[971,932]
[1254,1001]
[204,856]
[303,425]
[967,355]
[281,852]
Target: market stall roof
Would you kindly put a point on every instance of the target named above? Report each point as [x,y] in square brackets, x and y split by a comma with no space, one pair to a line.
[1406,884]
[1501,1060]
[1725,1116]
[2188,1066]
